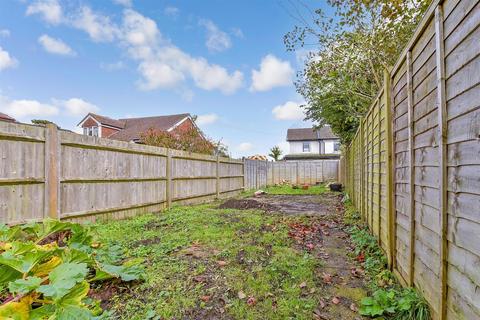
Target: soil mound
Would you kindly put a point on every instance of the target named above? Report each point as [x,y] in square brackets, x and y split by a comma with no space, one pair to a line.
[246,204]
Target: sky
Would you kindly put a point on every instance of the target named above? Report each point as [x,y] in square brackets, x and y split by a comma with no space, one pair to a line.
[223,61]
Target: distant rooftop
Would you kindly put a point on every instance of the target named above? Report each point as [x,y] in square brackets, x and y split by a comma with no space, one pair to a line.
[303,134]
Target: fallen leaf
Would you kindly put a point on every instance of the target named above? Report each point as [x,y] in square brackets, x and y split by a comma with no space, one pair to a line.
[241,295]
[205,298]
[353,307]
[222,263]
[312,290]
[327,278]
[336,300]
[303,285]
[361,257]
[200,279]
[251,301]
[322,304]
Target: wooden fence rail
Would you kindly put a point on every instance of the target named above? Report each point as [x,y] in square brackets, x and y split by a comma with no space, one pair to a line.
[46,172]
[413,168]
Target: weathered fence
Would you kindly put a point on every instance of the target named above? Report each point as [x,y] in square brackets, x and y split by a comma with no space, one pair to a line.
[413,168]
[259,174]
[47,172]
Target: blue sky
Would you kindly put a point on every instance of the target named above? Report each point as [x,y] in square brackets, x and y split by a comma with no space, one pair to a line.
[224,61]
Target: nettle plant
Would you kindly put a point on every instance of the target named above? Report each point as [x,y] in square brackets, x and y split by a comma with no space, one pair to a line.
[46,270]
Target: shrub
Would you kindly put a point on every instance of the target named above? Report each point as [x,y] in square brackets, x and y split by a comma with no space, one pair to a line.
[46,270]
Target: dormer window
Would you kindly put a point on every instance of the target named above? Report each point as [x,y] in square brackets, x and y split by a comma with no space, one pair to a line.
[90,131]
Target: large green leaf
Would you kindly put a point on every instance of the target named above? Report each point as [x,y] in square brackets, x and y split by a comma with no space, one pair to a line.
[8,274]
[23,286]
[8,233]
[63,278]
[125,272]
[23,257]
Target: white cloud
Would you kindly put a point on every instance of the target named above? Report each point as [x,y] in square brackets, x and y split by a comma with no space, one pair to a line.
[126,3]
[237,32]
[171,11]
[21,109]
[6,60]
[273,73]
[78,107]
[245,146]
[290,110]
[50,10]
[55,46]
[4,33]
[160,63]
[98,27]
[206,119]
[114,66]
[217,40]
[163,65]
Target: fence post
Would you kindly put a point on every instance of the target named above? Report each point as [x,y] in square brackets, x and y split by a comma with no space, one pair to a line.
[411,179]
[244,173]
[168,172]
[389,169]
[217,183]
[52,171]
[296,173]
[442,150]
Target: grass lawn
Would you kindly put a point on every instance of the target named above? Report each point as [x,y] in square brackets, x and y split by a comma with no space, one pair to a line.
[203,262]
[287,189]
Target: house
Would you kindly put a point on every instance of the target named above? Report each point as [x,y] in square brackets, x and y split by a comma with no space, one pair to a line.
[6,118]
[131,129]
[311,143]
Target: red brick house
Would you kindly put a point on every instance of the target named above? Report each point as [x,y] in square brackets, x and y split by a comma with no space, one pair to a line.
[130,129]
[6,118]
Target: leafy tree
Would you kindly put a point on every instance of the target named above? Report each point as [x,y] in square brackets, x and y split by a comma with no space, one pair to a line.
[275,153]
[187,140]
[347,56]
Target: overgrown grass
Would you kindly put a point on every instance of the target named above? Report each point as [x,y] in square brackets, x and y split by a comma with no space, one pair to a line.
[261,264]
[388,299]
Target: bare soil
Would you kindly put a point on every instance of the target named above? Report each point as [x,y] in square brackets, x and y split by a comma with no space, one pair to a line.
[341,283]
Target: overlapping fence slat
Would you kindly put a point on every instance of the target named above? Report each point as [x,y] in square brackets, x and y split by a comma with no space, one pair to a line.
[46,172]
[413,168]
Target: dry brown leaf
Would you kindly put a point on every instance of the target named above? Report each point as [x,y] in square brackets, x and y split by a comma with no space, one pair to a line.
[336,300]
[353,307]
[303,285]
[251,301]
[241,295]
[222,263]
[327,278]
[205,298]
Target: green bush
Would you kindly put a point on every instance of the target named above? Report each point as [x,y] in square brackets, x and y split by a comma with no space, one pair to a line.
[46,270]
[405,304]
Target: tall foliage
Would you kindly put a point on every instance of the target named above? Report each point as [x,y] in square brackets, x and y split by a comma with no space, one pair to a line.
[187,140]
[347,56]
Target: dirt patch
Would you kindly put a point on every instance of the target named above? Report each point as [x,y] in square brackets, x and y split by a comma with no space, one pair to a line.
[324,204]
[247,204]
[146,242]
[199,252]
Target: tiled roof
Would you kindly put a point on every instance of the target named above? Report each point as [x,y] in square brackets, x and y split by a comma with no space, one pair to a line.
[303,134]
[134,127]
[108,121]
[6,117]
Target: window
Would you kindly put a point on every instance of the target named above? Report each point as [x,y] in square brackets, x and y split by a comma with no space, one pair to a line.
[336,146]
[85,131]
[306,147]
[95,131]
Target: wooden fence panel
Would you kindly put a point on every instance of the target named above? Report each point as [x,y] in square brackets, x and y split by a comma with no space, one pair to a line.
[48,172]
[259,174]
[424,168]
